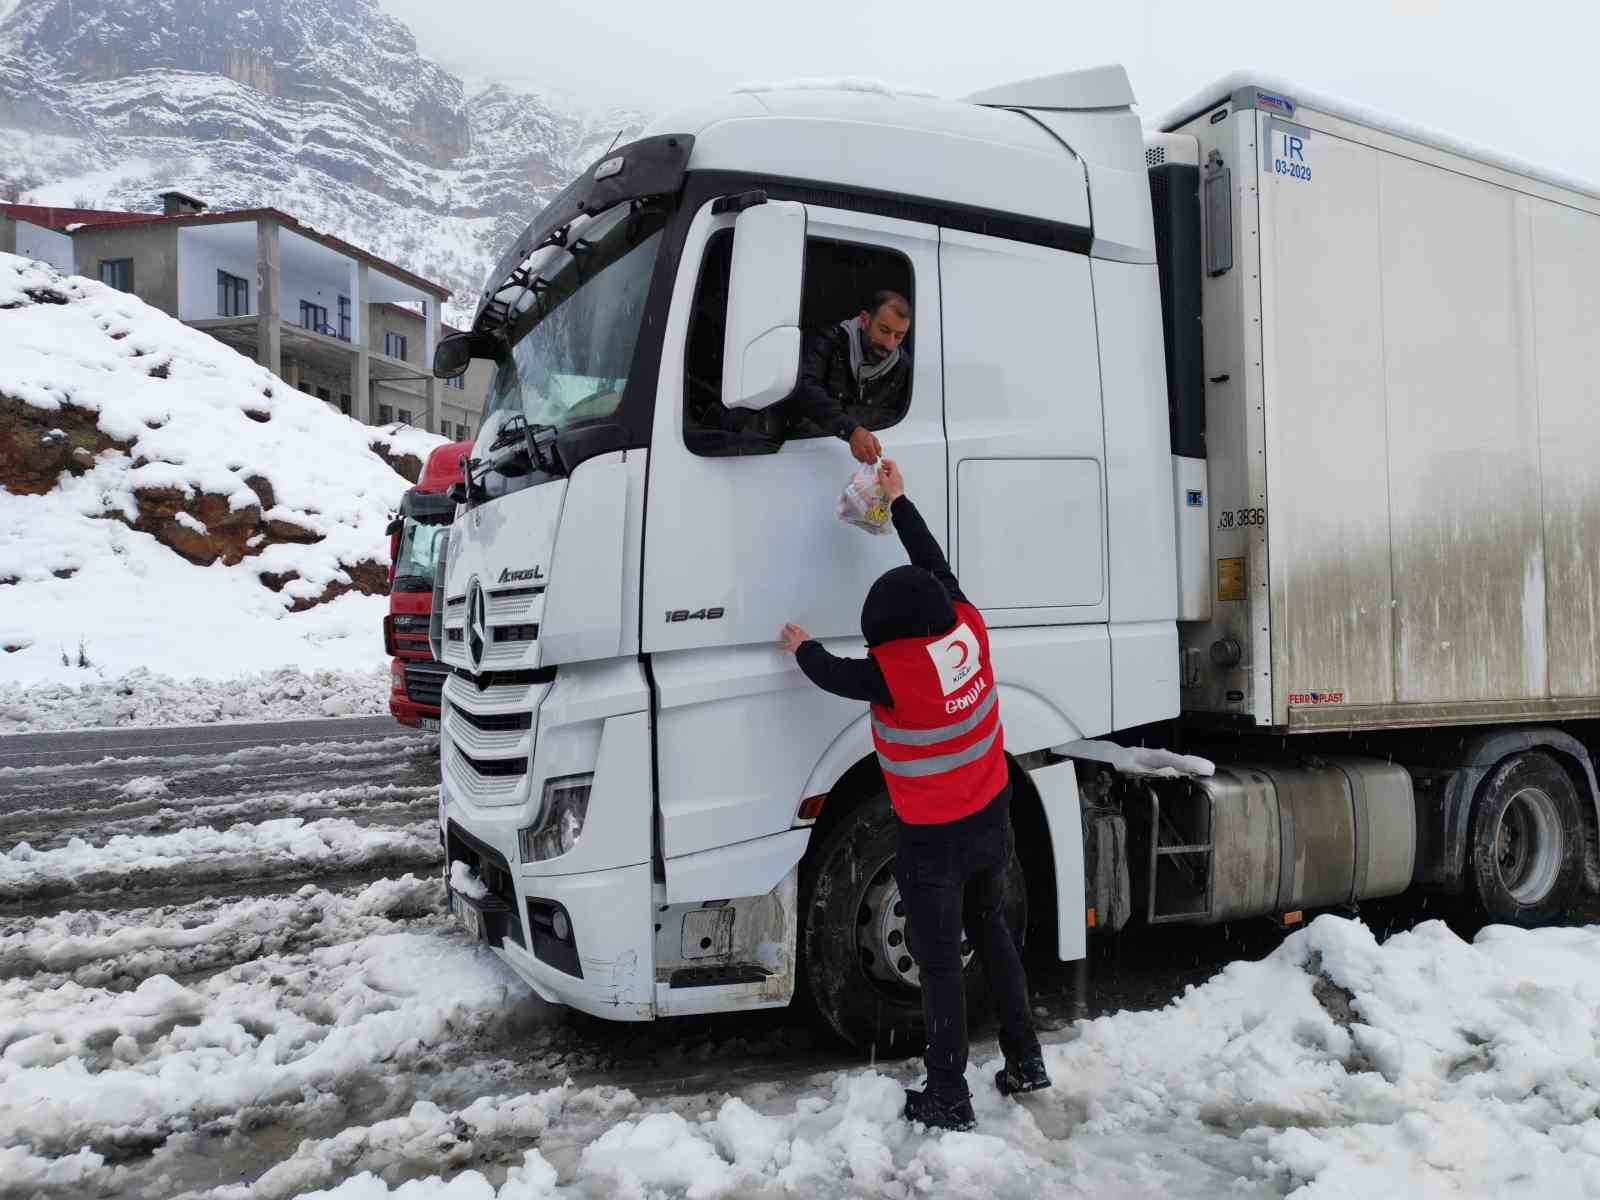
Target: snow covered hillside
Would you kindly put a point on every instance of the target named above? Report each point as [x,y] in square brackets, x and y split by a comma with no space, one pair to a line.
[167,504]
[323,108]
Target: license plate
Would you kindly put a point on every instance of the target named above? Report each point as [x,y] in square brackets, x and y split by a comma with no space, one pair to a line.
[430,724]
[471,919]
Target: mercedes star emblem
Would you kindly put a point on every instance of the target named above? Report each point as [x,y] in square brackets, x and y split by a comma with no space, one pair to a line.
[477,623]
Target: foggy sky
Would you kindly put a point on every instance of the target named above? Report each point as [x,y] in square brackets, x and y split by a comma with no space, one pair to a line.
[1511,75]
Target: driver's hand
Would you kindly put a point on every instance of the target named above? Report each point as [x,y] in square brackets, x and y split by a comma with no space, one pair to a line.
[864,445]
[890,482]
[793,637]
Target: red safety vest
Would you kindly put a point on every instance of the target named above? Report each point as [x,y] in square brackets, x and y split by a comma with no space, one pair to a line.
[941,746]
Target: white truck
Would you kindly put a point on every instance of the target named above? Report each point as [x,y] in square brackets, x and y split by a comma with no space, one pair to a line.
[1269,436]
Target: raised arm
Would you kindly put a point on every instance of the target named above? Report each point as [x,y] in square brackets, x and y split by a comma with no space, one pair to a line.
[921,546]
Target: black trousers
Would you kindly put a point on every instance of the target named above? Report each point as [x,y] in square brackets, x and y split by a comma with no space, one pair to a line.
[952,878]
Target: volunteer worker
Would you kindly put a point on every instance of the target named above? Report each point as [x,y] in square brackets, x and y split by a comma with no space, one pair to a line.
[936,725]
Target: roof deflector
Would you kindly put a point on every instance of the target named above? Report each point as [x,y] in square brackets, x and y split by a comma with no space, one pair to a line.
[1093,87]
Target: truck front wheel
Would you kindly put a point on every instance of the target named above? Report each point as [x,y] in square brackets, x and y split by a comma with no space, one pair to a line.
[1527,840]
[855,969]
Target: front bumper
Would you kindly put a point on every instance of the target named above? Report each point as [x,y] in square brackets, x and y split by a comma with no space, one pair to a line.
[604,965]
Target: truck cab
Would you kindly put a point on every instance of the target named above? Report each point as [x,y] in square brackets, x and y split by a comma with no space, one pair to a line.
[416,536]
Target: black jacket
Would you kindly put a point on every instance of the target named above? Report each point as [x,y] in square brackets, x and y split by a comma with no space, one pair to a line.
[827,399]
[912,601]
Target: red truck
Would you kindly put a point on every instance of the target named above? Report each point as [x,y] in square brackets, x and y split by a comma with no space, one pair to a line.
[415,538]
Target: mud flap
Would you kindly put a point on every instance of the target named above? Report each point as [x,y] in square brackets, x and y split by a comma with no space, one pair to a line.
[1057,786]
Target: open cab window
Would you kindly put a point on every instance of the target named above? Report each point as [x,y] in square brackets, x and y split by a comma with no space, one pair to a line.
[841,277]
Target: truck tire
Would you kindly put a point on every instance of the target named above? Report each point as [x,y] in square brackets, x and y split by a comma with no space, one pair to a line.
[1527,841]
[855,973]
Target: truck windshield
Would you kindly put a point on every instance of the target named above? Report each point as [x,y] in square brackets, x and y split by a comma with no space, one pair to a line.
[572,344]
[419,546]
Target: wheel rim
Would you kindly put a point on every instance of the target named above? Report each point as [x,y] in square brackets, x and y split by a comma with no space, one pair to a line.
[1527,846]
[882,925]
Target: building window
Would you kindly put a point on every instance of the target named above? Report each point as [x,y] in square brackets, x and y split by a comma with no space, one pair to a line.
[325,394]
[233,295]
[405,416]
[444,429]
[394,345]
[459,383]
[461,433]
[314,317]
[344,318]
[385,414]
[117,273]
[344,403]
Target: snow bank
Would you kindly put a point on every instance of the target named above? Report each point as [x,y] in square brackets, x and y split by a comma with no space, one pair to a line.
[138,448]
[84,1064]
[1335,1067]
[143,697]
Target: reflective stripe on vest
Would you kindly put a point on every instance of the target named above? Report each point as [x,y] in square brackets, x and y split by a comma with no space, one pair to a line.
[930,737]
[918,767]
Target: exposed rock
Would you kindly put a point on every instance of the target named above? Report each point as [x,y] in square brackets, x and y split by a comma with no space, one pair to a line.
[37,445]
[288,531]
[227,531]
[262,487]
[274,581]
[408,466]
[367,577]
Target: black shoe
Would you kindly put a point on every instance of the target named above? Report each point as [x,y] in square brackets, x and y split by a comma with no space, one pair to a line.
[1027,1076]
[938,1112]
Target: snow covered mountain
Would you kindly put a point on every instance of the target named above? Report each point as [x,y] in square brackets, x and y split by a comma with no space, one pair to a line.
[324,108]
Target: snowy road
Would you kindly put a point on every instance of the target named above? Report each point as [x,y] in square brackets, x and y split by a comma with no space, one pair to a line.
[225,973]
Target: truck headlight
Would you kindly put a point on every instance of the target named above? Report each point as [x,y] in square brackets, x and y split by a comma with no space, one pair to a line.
[561,817]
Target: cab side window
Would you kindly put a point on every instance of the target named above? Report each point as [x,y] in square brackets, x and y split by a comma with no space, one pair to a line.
[841,279]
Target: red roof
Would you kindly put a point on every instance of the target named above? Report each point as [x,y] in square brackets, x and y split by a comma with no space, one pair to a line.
[59,218]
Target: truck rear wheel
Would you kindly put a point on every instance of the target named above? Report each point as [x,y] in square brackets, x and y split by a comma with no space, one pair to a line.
[1527,840]
[855,970]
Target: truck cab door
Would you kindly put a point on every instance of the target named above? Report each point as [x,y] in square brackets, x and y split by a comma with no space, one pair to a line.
[736,544]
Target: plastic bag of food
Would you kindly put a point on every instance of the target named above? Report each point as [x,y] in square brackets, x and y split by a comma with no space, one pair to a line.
[862,504]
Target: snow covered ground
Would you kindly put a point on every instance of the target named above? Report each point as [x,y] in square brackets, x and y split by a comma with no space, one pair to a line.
[170,511]
[144,697]
[228,974]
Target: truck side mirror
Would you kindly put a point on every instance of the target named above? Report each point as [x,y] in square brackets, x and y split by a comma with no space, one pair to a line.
[455,352]
[761,348]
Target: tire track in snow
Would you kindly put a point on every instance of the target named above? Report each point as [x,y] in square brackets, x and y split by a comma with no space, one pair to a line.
[284,848]
[381,803]
[118,950]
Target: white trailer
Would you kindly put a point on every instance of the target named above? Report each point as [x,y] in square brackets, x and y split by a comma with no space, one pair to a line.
[1286,466]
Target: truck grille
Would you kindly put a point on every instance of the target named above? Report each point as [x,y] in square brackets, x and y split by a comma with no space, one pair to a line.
[488,723]
[425,682]
[512,629]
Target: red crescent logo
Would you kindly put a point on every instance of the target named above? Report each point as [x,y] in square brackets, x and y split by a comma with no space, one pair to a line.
[966,653]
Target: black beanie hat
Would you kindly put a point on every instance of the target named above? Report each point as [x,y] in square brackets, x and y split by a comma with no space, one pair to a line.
[906,602]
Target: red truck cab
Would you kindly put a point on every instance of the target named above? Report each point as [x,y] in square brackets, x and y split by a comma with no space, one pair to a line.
[416,536]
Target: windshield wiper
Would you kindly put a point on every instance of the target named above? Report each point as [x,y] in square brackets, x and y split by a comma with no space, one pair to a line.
[530,442]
